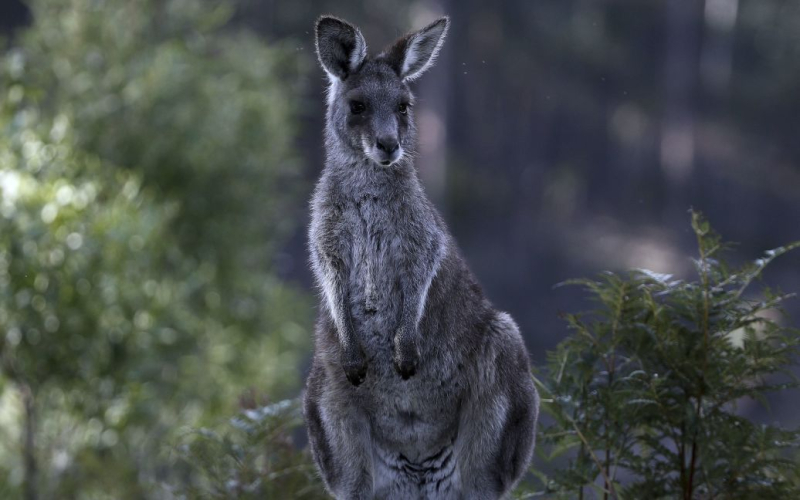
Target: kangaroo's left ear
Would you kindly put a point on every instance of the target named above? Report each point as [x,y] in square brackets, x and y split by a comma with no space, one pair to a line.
[340,47]
[413,54]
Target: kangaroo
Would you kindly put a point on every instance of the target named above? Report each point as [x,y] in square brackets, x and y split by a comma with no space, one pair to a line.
[419,387]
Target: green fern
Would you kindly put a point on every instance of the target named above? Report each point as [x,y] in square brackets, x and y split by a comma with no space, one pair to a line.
[643,395]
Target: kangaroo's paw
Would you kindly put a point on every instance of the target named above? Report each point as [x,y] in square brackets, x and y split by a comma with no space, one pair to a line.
[355,366]
[406,355]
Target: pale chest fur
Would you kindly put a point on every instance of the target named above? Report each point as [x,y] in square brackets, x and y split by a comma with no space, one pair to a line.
[375,256]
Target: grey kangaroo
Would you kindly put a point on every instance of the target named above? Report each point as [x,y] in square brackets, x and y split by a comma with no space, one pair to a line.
[419,387]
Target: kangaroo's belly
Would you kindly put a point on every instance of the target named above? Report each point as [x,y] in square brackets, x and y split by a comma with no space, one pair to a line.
[414,426]
[413,418]
[434,476]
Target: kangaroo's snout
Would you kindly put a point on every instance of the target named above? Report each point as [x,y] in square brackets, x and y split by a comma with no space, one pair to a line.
[388,150]
[387,144]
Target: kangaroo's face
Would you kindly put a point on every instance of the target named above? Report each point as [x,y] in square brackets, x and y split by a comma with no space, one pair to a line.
[371,111]
[370,106]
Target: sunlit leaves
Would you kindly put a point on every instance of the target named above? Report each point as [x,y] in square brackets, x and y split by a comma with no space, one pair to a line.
[146,181]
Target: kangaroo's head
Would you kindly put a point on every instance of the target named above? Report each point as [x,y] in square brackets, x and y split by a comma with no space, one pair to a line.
[370,106]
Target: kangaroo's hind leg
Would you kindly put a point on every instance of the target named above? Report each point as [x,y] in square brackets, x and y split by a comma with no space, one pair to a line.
[497,429]
[339,439]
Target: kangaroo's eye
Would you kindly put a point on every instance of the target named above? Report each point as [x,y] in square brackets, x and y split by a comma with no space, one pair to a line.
[357,107]
[403,108]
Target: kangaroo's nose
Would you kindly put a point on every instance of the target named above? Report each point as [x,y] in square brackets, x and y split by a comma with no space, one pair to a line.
[387,144]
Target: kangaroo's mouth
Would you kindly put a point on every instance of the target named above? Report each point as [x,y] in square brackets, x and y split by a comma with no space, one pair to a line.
[383,160]
[380,157]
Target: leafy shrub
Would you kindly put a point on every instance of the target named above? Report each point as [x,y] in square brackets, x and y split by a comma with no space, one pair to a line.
[254,457]
[645,392]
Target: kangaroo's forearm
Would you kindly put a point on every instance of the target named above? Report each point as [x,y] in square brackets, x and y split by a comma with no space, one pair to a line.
[416,284]
[332,274]
[418,274]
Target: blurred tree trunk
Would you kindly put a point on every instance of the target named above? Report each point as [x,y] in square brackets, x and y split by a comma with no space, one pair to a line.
[716,63]
[432,118]
[677,133]
[29,453]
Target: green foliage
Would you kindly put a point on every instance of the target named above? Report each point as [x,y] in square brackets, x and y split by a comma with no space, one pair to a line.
[201,114]
[146,179]
[645,392]
[255,457]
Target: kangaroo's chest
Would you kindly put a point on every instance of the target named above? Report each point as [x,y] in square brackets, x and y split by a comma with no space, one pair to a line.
[376,235]
[378,231]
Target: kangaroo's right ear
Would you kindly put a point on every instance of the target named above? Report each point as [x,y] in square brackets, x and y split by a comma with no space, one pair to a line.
[413,54]
[340,47]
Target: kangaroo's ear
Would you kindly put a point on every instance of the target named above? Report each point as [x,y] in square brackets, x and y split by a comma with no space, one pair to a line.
[340,47]
[413,54]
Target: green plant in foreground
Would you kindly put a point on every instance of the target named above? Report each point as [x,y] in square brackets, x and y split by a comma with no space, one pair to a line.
[254,458]
[645,393]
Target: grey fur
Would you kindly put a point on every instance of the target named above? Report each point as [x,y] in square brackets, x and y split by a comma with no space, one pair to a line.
[419,388]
